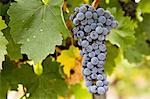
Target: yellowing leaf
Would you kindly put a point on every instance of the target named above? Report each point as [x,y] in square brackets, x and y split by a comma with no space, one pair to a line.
[76,73]
[68,58]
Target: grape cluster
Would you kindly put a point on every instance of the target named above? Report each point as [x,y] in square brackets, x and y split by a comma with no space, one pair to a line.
[91,28]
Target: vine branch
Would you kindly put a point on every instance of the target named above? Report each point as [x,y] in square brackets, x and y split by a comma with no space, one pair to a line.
[95,3]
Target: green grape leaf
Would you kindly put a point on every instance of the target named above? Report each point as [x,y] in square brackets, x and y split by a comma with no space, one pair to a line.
[38,27]
[123,35]
[112,54]
[132,55]
[80,92]
[3,8]
[6,79]
[145,25]
[3,42]
[110,3]
[144,6]
[48,85]
[135,53]
[13,49]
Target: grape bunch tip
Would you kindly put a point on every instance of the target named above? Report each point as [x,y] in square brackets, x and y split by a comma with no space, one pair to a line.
[90,30]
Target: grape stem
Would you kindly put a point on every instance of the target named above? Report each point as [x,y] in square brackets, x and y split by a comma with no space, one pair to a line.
[95,3]
[58,50]
[95,96]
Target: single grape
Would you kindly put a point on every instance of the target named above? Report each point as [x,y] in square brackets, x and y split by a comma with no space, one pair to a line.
[82,53]
[87,28]
[99,42]
[95,16]
[89,48]
[81,28]
[89,38]
[93,25]
[89,65]
[108,22]
[108,28]
[88,14]
[84,22]
[105,77]
[84,50]
[105,31]
[76,9]
[105,82]
[90,21]
[88,83]
[99,29]
[94,70]
[86,71]
[112,18]
[97,51]
[94,76]
[88,77]
[106,88]
[100,65]
[94,35]
[100,24]
[107,14]
[86,57]
[79,42]
[101,38]
[99,83]
[93,89]
[84,62]
[100,77]
[100,90]
[71,16]
[114,24]
[83,9]
[91,54]
[80,16]
[75,21]
[75,30]
[80,34]
[102,62]
[102,47]
[102,56]
[84,43]
[95,46]
[94,60]
[91,9]
[102,19]
[100,11]
[99,69]
[89,89]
